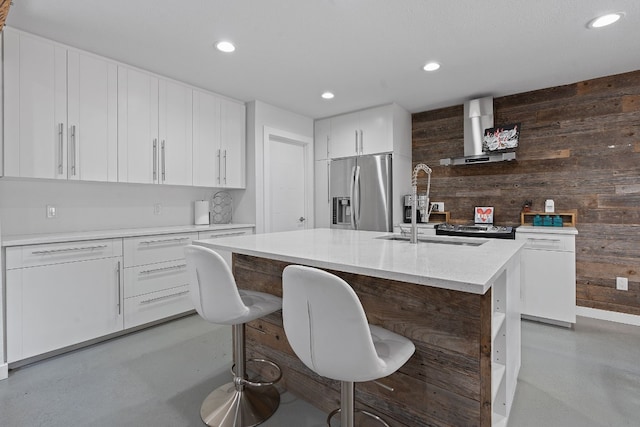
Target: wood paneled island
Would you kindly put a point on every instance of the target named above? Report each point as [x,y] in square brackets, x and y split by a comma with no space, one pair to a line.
[456,298]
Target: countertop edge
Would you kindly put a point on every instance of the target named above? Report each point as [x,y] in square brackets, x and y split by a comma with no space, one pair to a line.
[43,238]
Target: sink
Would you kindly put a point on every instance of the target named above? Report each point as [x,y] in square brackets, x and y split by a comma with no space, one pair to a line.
[437,240]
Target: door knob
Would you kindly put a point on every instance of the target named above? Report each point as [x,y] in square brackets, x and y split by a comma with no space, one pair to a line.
[301,219]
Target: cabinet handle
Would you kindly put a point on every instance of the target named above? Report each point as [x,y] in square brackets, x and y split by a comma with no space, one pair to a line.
[150,300]
[156,270]
[219,166]
[84,248]
[225,166]
[217,236]
[361,143]
[163,157]
[118,284]
[155,159]
[73,150]
[60,146]
[177,239]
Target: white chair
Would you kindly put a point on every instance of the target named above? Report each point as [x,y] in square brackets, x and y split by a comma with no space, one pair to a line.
[241,403]
[328,330]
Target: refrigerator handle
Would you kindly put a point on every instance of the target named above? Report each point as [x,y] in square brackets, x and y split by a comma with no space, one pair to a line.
[351,197]
[356,203]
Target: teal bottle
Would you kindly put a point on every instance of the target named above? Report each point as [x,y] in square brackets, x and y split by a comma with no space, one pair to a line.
[557,221]
[537,220]
[547,221]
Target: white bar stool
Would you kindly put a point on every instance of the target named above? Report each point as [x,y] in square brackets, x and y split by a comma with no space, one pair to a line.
[241,403]
[328,330]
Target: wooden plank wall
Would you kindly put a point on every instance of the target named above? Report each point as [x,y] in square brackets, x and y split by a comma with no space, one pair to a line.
[580,146]
[446,383]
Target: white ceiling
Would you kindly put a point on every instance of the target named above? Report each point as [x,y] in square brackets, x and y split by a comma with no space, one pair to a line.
[369,52]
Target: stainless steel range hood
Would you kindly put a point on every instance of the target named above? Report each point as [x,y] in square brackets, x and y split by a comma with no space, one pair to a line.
[478,116]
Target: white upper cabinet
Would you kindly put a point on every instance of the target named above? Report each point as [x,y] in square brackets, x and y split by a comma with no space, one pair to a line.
[365,132]
[218,141]
[175,130]
[92,117]
[232,143]
[138,145]
[35,107]
[60,111]
[206,139]
[321,136]
[154,129]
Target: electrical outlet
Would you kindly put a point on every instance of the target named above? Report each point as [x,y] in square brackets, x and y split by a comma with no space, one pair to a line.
[51,211]
[622,283]
[437,206]
[157,209]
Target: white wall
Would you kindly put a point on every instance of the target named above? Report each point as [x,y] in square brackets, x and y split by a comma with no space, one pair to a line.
[250,204]
[94,206]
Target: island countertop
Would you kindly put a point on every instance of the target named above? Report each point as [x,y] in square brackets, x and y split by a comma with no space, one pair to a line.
[443,261]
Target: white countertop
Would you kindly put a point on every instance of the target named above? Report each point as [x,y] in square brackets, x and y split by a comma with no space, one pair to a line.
[464,268]
[36,239]
[546,229]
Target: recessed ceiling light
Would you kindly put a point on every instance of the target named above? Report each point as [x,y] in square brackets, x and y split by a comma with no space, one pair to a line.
[328,95]
[604,20]
[431,66]
[225,46]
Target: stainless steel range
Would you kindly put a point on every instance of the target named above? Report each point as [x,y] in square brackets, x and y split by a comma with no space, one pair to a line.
[477,230]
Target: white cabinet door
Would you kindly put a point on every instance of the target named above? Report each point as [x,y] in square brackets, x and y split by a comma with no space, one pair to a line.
[206,140]
[344,136]
[35,107]
[232,143]
[58,305]
[376,127]
[138,145]
[322,202]
[175,133]
[322,135]
[92,118]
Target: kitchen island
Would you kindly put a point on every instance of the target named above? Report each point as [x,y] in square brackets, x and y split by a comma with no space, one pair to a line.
[457,299]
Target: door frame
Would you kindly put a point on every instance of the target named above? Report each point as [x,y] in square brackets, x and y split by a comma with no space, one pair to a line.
[307,144]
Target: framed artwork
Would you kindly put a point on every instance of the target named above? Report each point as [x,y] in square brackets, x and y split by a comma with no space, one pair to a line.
[501,138]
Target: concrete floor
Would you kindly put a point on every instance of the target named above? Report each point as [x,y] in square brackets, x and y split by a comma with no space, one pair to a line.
[589,376]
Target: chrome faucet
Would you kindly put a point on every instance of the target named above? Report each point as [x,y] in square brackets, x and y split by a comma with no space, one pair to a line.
[414,201]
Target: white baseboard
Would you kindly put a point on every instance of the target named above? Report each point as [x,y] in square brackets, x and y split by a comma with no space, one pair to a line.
[4,371]
[612,316]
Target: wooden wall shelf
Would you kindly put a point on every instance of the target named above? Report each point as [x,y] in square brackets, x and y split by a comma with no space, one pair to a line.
[569,218]
[439,216]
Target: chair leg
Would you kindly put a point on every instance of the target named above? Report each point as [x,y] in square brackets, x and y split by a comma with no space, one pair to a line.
[236,404]
[347,408]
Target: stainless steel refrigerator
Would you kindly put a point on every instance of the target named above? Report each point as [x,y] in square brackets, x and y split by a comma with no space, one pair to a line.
[360,190]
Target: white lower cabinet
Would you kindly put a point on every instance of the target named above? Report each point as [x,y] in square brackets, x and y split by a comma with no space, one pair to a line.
[548,274]
[155,277]
[59,295]
[217,234]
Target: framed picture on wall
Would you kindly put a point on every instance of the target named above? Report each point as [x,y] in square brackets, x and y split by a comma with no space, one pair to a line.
[501,137]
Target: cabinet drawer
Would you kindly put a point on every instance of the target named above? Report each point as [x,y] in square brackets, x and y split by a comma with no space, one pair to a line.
[550,242]
[149,278]
[155,306]
[154,249]
[217,234]
[55,253]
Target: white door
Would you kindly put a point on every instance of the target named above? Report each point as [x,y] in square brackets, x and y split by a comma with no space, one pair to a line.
[288,175]
[344,136]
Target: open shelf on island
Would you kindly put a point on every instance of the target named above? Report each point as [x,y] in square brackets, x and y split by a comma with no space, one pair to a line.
[569,217]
